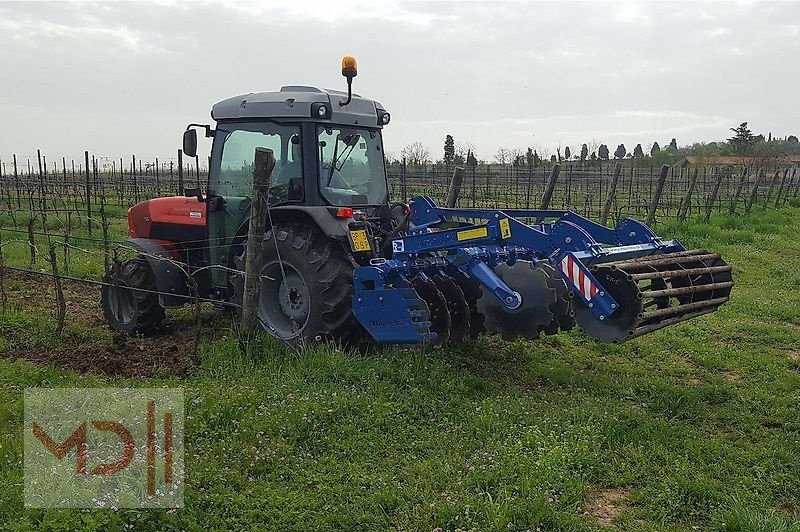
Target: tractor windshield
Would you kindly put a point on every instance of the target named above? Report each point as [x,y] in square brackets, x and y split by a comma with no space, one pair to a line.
[351,166]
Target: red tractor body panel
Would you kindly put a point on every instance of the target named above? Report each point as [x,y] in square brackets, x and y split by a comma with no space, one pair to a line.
[149,218]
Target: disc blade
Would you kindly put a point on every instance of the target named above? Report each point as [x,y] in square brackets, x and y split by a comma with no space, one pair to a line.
[563,315]
[456,305]
[621,324]
[437,307]
[533,315]
[472,292]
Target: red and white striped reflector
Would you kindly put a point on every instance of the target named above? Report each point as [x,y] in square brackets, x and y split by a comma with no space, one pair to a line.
[573,271]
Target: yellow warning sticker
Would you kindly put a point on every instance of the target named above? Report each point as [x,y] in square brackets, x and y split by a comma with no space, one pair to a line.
[470,234]
[360,240]
[505,228]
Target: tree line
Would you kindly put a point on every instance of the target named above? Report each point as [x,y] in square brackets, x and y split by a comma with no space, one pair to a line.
[743,142]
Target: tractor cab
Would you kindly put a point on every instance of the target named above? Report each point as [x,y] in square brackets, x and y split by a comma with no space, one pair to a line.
[329,161]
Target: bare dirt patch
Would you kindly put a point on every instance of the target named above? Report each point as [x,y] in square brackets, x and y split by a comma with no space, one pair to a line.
[136,358]
[125,356]
[730,376]
[794,356]
[605,505]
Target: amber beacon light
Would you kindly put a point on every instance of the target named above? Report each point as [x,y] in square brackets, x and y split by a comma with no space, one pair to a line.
[349,67]
[349,70]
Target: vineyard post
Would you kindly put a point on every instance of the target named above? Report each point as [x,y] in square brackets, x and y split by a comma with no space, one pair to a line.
[455,187]
[754,193]
[62,306]
[16,181]
[551,186]
[158,181]
[64,177]
[685,208]
[262,172]
[630,193]
[121,182]
[3,298]
[771,188]
[42,195]
[180,173]
[797,184]
[135,179]
[612,192]
[197,171]
[569,188]
[662,179]
[95,183]
[104,225]
[789,184]
[527,190]
[713,198]
[67,231]
[88,194]
[780,190]
[31,241]
[739,188]
[75,192]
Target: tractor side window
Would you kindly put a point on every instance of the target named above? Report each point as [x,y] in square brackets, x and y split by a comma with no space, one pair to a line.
[351,166]
[235,175]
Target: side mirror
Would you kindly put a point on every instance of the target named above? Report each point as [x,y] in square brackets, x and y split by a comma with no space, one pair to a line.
[193,193]
[190,143]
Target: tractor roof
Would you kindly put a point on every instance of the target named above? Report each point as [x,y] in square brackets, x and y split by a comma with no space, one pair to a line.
[294,101]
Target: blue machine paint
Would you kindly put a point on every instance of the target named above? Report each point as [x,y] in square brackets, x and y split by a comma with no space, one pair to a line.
[475,241]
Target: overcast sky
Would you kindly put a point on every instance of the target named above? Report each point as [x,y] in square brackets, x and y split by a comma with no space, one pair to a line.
[125,78]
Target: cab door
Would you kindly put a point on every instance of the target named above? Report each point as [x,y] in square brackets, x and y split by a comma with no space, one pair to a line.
[230,181]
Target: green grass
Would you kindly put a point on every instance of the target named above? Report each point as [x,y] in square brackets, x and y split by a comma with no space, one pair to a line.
[697,425]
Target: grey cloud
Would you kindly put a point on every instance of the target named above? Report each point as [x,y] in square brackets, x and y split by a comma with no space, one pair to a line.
[121,78]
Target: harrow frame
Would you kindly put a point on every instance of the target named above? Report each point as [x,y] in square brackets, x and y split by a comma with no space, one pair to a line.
[474,242]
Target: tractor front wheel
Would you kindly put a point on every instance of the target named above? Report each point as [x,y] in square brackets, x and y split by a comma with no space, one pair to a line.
[130,298]
[306,286]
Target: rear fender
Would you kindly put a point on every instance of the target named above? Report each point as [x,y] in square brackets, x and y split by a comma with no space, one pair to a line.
[170,278]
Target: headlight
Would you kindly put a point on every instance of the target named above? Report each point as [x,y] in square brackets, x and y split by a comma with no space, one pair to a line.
[385,118]
[322,111]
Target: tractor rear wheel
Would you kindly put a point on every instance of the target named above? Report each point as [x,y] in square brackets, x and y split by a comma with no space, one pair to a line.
[306,286]
[130,299]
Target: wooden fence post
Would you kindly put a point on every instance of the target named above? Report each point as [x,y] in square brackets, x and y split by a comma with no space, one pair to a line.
[16,181]
[662,179]
[455,187]
[686,206]
[180,173]
[264,164]
[551,186]
[771,188]
[612,194]
[61,304]
[135,179]
[3,297]
[713,198]
[42,190]
[753,193]
[88,195]
[739,188]
[780,190]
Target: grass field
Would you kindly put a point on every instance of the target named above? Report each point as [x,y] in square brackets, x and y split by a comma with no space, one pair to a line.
[693,427]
